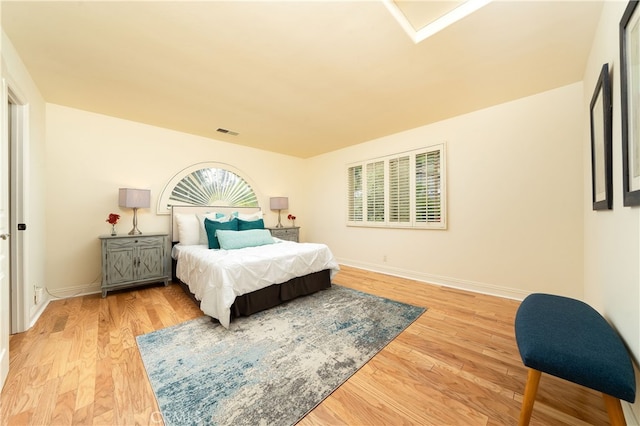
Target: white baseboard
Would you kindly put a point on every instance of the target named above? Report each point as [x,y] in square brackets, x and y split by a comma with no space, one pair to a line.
[38,313]
[629,414]
[67,292]
[473,286]
[632,411]
[63,293]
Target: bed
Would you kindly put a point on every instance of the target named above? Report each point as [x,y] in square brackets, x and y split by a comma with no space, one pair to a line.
[241,278]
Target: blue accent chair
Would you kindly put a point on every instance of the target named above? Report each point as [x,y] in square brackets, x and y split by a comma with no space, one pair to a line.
[569,339]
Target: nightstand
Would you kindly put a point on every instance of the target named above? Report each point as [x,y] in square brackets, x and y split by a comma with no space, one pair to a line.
[131,260]
[289,233]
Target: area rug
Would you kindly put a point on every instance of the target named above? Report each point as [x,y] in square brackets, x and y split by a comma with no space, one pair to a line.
[273,367]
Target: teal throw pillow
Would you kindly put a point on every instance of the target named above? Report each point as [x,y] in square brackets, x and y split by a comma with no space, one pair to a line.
[212,226]
[244,225]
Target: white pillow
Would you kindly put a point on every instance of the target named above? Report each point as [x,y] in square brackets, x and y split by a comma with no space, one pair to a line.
[218,217]
[248,217]
[188,231]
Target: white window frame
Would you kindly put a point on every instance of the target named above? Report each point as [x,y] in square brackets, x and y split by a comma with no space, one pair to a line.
[358,197]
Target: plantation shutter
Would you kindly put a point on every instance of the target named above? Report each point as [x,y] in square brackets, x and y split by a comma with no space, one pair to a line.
[375,192]
[399,190]
[355,194]
[214,186]
[402,190]
[428,187]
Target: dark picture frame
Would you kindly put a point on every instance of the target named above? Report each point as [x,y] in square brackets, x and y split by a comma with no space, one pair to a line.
[630,85]
[601,145]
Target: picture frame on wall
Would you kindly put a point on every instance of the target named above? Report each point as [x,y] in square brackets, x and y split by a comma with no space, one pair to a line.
[630,102]
[601,146]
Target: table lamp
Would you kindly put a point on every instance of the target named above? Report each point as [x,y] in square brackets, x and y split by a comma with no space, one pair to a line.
[279,203]
[135,199]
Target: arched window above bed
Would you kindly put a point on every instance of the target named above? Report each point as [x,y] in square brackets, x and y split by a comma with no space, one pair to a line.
[207,184]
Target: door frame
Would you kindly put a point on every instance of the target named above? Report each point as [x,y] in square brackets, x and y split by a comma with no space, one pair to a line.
[5,275]
[18,148]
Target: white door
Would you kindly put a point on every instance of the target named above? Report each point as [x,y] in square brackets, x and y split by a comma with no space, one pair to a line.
[5,313]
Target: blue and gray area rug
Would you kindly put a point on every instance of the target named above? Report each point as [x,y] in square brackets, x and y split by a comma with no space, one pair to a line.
[271,368]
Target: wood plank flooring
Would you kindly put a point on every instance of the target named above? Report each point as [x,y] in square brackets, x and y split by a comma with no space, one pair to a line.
[458,364]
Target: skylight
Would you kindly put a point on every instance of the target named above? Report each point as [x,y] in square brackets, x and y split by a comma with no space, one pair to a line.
[438,23]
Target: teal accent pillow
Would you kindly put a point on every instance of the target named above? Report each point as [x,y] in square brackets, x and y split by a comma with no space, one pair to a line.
[244,225]
[212,226]
[218,217]
[230,240]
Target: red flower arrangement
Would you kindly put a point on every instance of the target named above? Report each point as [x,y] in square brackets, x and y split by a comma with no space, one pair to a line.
[113,218]
[292,218]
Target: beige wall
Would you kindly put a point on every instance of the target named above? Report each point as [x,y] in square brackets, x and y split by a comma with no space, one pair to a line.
[507,213]
[514,176]
[508,166]
[612,238]
[90,156]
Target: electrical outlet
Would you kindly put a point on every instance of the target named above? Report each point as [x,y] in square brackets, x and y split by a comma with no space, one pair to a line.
[38,292]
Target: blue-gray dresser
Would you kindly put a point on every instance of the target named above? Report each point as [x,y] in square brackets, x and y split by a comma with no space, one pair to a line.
[133,260]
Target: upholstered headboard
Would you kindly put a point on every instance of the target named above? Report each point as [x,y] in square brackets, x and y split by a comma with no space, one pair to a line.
[204,209]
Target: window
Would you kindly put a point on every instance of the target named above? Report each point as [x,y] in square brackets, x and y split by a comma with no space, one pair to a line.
[375,192]
[399,190]
[404,190]
[355,194]
[207,184]
[214,187]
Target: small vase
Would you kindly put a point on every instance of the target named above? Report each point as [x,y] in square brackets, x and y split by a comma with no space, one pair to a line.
[113,229]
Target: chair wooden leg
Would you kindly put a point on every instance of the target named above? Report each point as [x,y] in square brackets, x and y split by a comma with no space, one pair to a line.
[614,409]
[530,391]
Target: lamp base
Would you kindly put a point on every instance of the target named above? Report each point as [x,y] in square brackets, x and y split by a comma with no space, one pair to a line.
[279,225]
[135,230]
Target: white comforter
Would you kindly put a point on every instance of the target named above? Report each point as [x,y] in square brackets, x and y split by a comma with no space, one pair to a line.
[216,277]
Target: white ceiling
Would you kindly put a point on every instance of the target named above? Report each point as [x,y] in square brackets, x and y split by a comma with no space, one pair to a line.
[296,77]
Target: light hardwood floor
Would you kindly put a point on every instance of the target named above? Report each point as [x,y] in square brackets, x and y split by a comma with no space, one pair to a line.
[458,364]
